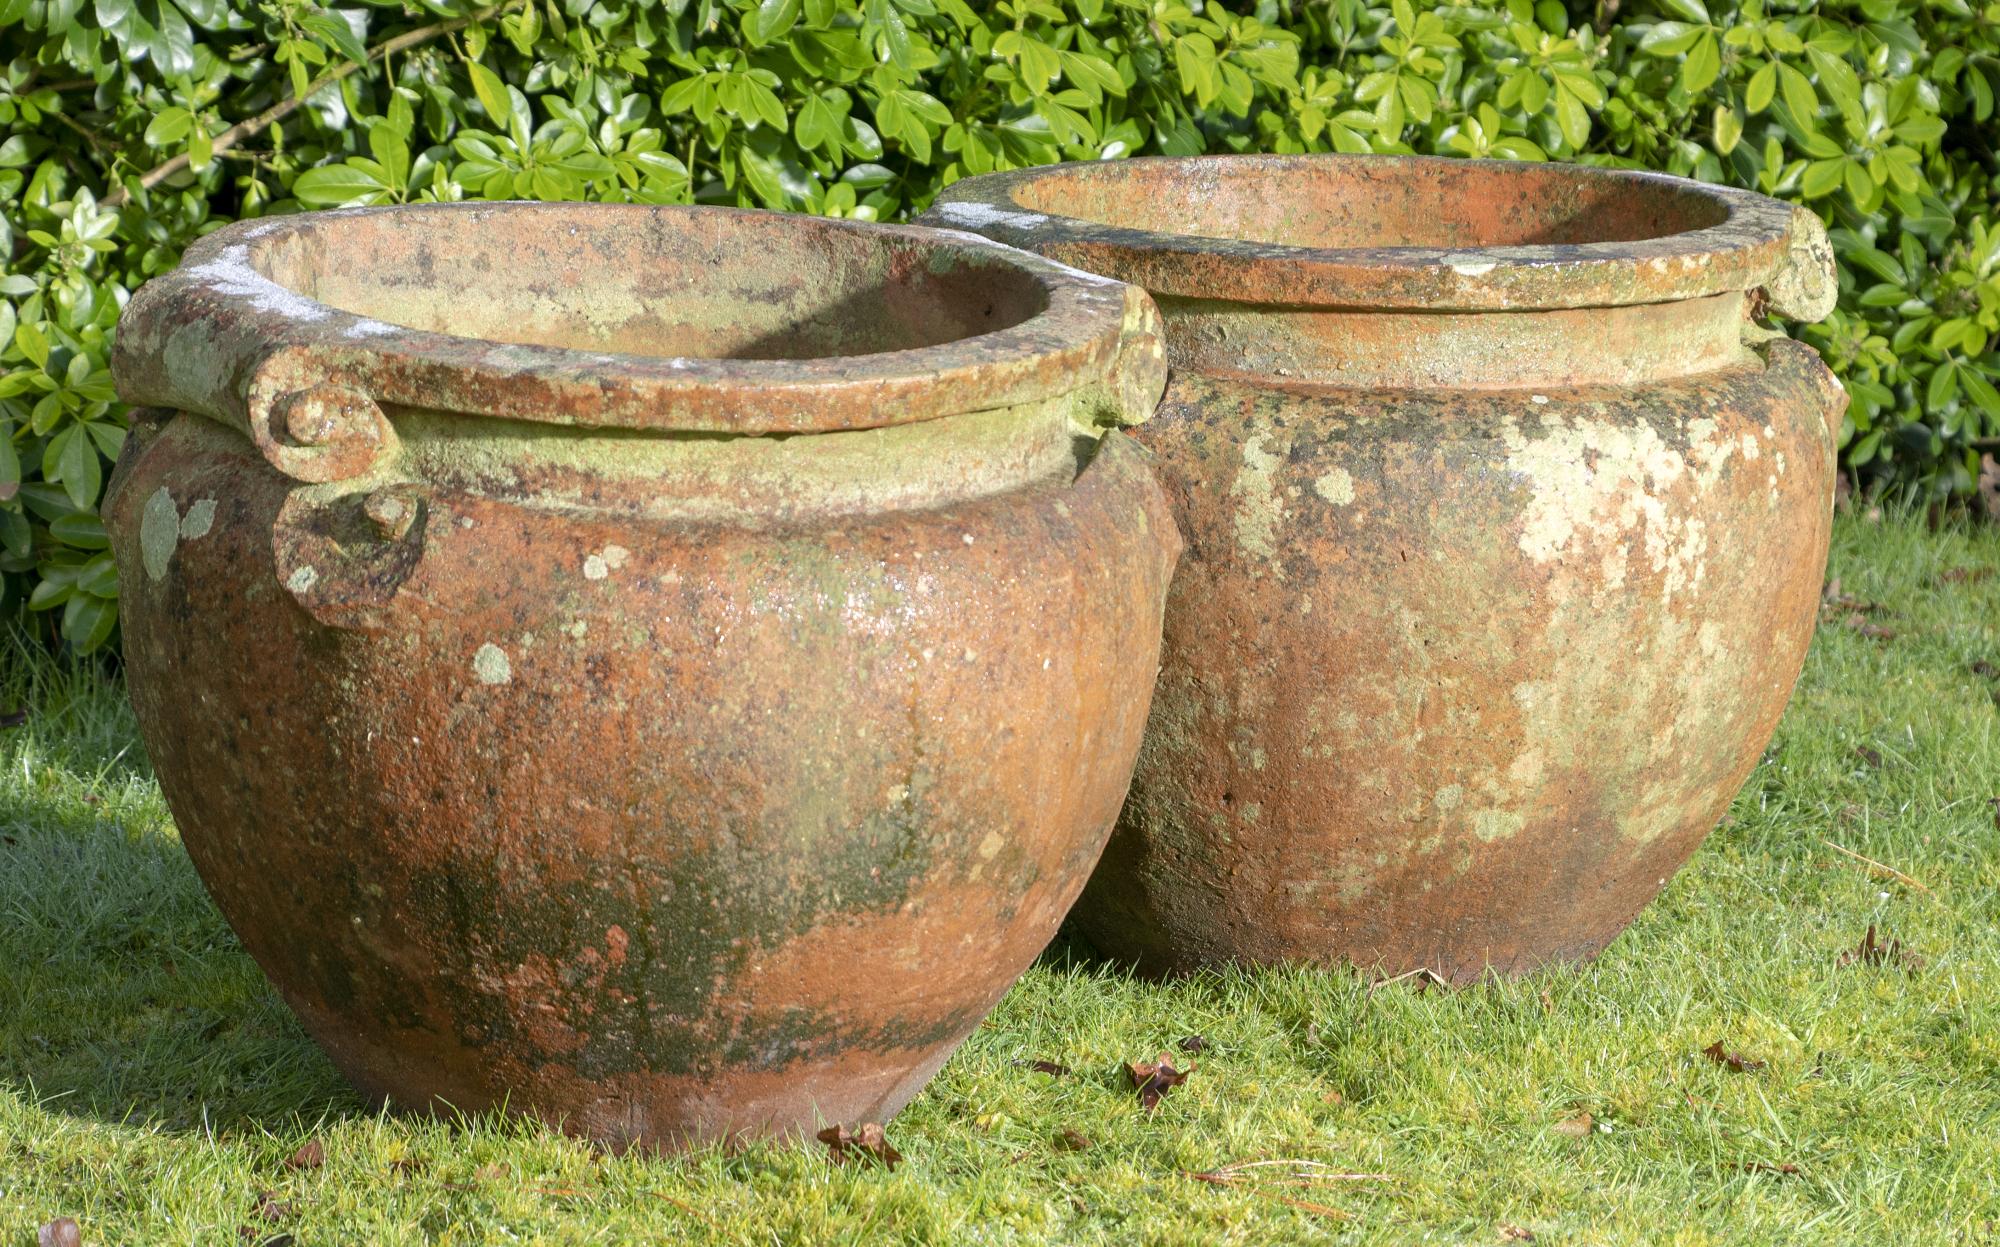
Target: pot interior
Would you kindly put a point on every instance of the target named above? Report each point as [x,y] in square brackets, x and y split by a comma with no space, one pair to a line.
[685,284]
[1361,203]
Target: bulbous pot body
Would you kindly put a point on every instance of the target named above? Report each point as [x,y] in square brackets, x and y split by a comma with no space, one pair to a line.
[678,712]
[1506,525]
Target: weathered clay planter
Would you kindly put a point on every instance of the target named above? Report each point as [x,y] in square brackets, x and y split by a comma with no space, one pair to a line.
[663,670]
[1505,522]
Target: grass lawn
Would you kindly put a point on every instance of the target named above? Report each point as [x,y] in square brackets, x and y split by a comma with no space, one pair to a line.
[153,1087]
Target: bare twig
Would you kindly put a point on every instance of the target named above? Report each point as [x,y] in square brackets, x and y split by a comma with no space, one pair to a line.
[1887,870]
[1427,976]
[285,107]
[1338,1214]
[1297,1173]
[90,136]
[1301,1172]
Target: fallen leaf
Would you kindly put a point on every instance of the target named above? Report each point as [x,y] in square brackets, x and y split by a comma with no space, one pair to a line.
[1577,1127]
[1963,575]
[273,1209]
[1734,1060]
[1153,1079]
[1987,669]
[1193,1043]
[61,1232]
[1334,1098]
[311,1155]
[15,718]
[1516,1234]
[1758,1166]
[1068,1139]
[490,1173]
[1548,1001]
[1877,632]
[868,1143]
[1051,1068]
[1833,600]
[1871,952]
[1870,756]
[409,1164]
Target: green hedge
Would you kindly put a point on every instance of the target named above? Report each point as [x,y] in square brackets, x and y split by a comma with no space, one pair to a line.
[133,126]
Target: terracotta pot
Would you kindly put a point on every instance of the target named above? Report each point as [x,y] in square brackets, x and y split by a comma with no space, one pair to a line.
[1506,523]
[666,671]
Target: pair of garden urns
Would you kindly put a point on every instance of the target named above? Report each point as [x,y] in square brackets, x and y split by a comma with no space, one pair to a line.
[668,670]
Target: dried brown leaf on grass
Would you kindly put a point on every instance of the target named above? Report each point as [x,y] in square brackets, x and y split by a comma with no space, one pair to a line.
[1577,1127]
[1964,575]
[1070,1139]
[1758,1166]
[1834,601]
[867,1142]
[1874,632]
[1153,1079]
[271,1208]
[1851,612]
[61,1232]
[1052,1068]
[311,1155]
[1734,1060]
[1873,952]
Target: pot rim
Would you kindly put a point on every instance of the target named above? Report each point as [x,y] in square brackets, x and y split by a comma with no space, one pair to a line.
[1759,242]
[220,337]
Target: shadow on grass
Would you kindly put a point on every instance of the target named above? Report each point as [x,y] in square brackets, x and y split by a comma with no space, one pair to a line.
[124,996]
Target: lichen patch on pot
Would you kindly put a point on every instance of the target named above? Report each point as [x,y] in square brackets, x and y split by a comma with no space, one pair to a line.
[199,519]
[159,531]
[490,665]
[601,564]
[1335,485]
[1259,508]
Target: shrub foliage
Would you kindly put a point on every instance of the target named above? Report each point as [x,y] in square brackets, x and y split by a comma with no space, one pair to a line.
[133,126]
